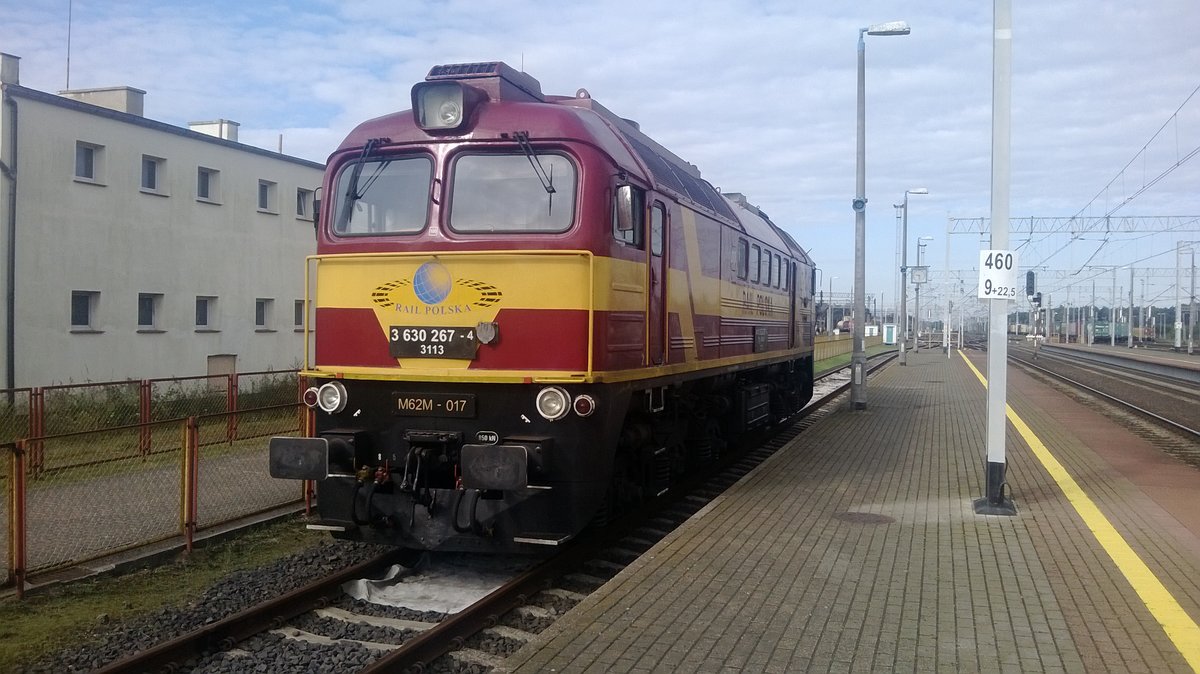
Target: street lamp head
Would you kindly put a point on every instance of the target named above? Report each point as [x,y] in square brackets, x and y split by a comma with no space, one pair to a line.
[925,238]
[889,28]
[917,190]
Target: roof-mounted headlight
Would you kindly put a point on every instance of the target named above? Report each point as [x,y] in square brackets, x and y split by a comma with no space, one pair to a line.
[443,106]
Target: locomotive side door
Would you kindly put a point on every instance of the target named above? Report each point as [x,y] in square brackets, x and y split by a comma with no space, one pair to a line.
[790,280]
[656,315]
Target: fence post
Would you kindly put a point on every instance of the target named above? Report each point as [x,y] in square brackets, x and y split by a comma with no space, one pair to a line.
[37,430]
[145,390]
[189,486]
[17,519]
[231,407]
[301,386]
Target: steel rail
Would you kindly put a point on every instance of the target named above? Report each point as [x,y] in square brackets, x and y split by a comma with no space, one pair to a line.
[1186,430]
[224,634]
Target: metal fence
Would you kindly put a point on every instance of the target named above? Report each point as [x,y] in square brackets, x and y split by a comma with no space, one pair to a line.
[69,408]
[832,346]
[112,466]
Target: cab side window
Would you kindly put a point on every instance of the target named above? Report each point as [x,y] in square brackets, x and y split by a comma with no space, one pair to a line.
[658,221]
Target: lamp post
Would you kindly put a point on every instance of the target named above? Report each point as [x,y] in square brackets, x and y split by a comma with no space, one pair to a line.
[829,308]
[858,360]
[917,317]
[904,270]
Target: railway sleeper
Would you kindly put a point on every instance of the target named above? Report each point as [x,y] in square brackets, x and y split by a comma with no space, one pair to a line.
[471,657]
[500,640]
[296,634]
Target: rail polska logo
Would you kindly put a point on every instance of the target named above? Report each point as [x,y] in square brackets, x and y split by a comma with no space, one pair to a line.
[433,291]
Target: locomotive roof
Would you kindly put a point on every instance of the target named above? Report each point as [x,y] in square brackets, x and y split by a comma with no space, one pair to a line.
[625,142]
[668,169]
[683,178]
[757,224]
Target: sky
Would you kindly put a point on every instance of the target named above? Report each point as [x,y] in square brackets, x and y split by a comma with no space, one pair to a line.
[761,96]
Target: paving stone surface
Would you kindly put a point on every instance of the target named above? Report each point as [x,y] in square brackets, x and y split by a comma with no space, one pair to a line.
[856,549]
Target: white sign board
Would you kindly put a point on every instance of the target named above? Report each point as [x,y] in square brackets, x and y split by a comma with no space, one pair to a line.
[997,275]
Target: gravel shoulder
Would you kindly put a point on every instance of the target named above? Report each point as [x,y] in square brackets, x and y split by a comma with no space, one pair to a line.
[77,627]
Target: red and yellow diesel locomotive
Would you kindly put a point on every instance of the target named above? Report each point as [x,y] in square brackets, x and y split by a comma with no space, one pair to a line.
[529,315]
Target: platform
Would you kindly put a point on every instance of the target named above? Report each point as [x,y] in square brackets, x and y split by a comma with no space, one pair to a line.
[856,548]
[1158,356]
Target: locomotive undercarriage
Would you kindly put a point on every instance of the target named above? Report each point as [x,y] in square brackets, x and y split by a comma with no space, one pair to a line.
[673,431]
[507,479]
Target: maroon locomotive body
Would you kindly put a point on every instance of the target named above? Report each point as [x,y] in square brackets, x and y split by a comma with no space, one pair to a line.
[527,315]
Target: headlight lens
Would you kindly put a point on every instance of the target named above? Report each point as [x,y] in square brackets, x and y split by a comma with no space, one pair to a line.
[331,397]
[450,113]
[553,403]
[438,105]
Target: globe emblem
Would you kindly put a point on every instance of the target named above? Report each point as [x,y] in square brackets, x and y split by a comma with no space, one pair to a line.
[432,283]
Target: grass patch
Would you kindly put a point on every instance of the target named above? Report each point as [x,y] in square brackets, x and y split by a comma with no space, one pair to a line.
[48,620]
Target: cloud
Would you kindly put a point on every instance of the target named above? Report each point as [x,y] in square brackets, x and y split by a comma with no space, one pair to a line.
[760,95]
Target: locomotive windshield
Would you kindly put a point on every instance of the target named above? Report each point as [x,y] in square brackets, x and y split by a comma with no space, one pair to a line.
[507,193]
[383,196]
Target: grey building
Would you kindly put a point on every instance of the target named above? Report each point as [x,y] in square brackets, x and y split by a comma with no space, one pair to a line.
[131,248]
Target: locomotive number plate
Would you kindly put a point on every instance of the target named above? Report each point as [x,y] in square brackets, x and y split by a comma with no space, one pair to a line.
[406,341]
[434,405]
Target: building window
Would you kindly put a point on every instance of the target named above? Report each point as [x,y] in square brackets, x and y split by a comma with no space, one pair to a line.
[208,184]
[205,312]
[266,196]
[83,309]
[304,203]
[298,318]
[152,174]
[262,313]
[148,310]
[89,164]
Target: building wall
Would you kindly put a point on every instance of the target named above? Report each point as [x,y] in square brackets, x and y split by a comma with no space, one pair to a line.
[110,236]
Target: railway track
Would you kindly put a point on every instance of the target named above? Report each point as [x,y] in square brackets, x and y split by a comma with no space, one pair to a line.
[1162,408]
[318,623]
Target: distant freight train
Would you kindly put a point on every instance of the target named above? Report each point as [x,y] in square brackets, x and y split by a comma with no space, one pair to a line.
[529,316]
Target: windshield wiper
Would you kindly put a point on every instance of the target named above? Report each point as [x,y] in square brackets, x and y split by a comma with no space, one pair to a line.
[352,193]
[546,179]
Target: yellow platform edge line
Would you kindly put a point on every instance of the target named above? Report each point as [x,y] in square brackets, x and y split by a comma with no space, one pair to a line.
[1175,621]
